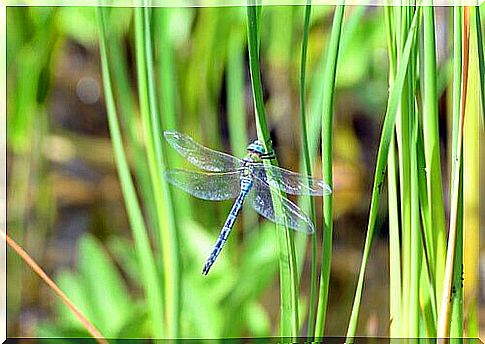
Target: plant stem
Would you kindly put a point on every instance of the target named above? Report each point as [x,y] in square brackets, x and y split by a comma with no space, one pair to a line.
[92,330]
[382,157]
[288,273]
[142,245]
[432,148]
[308,167]
[444,315]
[329,76]
[395,289]
[481,59]
[163,199]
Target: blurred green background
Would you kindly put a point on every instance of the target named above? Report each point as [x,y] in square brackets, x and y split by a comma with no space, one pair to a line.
[65,205]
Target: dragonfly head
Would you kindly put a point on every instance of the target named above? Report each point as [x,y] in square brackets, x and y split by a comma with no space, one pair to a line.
[256,147]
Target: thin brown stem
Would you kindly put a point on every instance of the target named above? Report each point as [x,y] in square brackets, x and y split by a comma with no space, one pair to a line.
[93,331]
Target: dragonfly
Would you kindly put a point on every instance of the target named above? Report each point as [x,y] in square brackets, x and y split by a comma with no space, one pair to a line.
[249,179]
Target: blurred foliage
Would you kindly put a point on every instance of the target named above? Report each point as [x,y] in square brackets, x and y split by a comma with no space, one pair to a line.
[65,202]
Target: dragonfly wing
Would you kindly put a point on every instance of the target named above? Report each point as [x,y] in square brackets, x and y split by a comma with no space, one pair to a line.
[291,182]
[200,156]
[290,215]
[208,186]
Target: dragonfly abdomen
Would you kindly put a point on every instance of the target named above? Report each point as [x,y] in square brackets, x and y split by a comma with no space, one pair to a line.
[246,184]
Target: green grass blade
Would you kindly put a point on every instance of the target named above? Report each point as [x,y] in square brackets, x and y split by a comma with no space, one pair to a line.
[404,142]
[429,289]
[416,248]
[128,114]
[329,76]
[382,157]
[308,167]
[167,224]
[432,147]
[394,245]
[456,316]
[142,244]
[481,59]
[395,287]
[454,238]
[288,273]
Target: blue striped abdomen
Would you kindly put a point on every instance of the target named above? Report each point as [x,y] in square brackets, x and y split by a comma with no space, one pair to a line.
[246,184]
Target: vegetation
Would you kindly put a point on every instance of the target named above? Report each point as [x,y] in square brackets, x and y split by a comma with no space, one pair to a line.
[345,94]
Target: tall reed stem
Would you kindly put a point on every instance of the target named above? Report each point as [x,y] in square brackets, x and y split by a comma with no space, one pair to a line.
[330,73]
[432,149]
[144,253]
[308,167]
[453,237]
[382,157]
[152,122]
[288,271]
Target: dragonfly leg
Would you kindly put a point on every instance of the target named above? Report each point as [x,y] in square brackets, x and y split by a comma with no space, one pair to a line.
[270,155]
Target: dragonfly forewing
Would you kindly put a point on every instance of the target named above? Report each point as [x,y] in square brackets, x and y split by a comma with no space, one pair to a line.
[200,156]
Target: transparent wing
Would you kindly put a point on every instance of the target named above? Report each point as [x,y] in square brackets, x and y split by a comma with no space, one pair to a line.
[200,156]
[209,186]
[291,182]
[291,215]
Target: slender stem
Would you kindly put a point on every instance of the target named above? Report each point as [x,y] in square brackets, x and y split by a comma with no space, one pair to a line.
[444,315]
[382,157]
[329,76]
[395,288]
[168,231]
[92,330]
[128,117]
[288,270]
[142,244]
[481,59]
[404,143]
[432,148]
[416,249]
[456,307]
[308,168]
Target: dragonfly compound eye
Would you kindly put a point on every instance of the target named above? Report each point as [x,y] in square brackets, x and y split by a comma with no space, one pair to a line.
[256,147]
